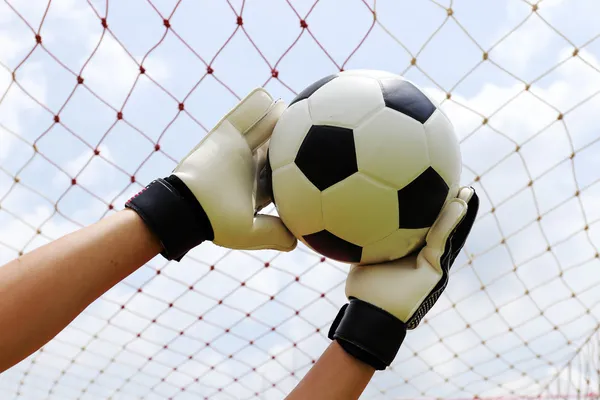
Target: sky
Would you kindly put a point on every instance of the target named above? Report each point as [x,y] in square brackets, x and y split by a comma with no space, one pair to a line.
[520,314]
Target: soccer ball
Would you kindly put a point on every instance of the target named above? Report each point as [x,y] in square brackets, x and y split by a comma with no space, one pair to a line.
[361,163]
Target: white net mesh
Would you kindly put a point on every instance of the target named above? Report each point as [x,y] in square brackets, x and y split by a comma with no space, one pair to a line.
[98,98]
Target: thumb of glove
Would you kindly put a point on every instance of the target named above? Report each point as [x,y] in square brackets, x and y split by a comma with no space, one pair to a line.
[269,232]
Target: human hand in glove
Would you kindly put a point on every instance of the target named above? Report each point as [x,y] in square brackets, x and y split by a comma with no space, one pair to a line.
[213,194]
[386,300]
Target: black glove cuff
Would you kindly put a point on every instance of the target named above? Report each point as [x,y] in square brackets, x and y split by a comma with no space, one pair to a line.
[173,214]
[368,333]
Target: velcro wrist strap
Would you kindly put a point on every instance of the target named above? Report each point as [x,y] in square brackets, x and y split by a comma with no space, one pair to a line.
[368,333]
[174,215]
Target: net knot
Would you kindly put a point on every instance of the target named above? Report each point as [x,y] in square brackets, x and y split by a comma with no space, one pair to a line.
[56,119]
[303,24]
[156,147]
[142,70]
[79,80]
[120,115]
[38,39]
[209,70]
[181,107]
[240,20]
[167,23]
[274,73]
[104,23]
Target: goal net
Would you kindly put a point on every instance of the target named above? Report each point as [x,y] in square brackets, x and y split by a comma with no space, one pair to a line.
[98,98]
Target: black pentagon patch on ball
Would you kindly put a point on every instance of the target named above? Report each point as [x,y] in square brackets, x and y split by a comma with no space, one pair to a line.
[421,200]
[327,155]
[331,246]
[406,98]
[306,93]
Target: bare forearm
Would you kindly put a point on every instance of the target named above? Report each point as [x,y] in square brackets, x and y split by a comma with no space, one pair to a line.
[336,375]
[42,291]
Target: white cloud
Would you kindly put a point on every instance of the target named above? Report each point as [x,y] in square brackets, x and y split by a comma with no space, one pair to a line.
[74,166]
[112,72]
[10,47]
[17,105]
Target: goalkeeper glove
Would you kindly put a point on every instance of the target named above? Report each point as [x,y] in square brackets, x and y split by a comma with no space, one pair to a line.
[387,299]
[212,193]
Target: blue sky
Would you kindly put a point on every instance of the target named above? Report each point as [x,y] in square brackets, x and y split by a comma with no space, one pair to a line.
[493,304]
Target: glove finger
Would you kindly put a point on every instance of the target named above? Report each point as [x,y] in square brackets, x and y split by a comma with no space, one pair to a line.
[269,232]
[459,237]
[242,118]
[449,233]
[451,215]
[250,110]
[466,194]
[258,133]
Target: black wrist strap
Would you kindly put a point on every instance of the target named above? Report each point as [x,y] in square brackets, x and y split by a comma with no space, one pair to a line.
[173,214]
[368,333]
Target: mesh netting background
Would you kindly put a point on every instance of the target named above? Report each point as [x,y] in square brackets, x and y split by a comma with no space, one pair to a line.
[97,98]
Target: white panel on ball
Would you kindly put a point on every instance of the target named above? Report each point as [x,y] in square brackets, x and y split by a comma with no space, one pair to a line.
[298,201]
[360,210]
[391,147]
[444,149]
[345,101]
[397,245]
[373,73]
[288,134]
